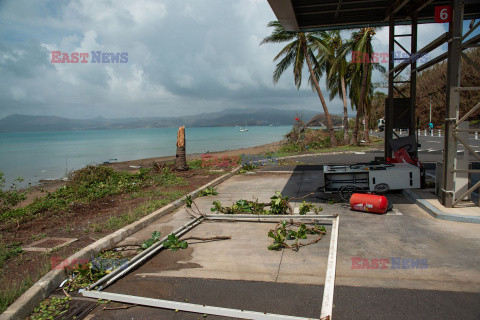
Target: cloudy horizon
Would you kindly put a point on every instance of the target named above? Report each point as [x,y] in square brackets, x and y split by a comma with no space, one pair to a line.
[184,58]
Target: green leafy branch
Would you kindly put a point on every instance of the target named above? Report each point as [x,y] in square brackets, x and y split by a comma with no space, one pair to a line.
[149,242]
[304,208]
[174,244]
[209,191]
[278,205]
[286,231]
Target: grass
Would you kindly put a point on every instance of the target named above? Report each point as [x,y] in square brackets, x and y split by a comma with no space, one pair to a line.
[88,185]
[347,148]
[8,251]
[117,222]
[9,294]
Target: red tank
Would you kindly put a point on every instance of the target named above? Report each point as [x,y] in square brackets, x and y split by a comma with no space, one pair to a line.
[368,203]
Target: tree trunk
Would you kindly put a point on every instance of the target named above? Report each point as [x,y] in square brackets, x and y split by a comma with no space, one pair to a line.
[361,104]
[355,129]
[181,158]
[345,111]
[333,140]
[367,123]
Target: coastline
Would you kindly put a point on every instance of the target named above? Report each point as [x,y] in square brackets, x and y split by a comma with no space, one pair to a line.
[269,147]
[39,189]
[50,185]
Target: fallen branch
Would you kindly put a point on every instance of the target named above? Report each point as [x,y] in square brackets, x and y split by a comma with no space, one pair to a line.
[209,238]
[306,196]
[120,308]
[66,293]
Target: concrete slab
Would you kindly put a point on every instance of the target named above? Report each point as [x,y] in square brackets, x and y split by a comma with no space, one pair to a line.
[451,263]
[422,256]
[464,212]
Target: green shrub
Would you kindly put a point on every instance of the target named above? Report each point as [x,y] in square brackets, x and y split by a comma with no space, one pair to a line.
[11,197]
[90,184]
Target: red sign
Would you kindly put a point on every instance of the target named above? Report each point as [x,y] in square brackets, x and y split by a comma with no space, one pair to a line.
[443,14]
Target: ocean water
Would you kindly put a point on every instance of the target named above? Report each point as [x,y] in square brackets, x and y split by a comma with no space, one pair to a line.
[47,155]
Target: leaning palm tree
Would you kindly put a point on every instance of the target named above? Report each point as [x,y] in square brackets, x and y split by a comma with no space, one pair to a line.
[336,67]
[361,82]
[300,49]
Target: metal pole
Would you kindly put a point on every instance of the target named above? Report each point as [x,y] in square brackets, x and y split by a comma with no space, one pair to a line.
[452,102]
[413,76]
[430,96]
[188,307]
[389,102]
[127,266]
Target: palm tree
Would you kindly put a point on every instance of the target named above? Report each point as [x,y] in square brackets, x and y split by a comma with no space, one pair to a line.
[336,67]
[361,82]
[299,50]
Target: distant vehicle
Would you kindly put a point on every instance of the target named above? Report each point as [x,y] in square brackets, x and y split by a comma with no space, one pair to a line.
[381,124]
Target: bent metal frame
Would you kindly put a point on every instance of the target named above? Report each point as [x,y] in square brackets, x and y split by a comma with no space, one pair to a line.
[94,291]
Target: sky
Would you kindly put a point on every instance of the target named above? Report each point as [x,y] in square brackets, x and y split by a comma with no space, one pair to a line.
[184,57]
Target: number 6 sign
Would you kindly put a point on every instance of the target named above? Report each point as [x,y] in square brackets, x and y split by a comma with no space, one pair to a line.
[443,14]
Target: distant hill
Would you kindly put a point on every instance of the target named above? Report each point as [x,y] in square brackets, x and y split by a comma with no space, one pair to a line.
[431,87]
[319,120]
[225,118]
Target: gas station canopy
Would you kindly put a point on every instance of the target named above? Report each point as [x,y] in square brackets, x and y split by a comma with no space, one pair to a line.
[309,15]
[316,15]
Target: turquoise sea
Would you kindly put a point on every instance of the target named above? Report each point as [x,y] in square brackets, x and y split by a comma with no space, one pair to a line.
[46,155]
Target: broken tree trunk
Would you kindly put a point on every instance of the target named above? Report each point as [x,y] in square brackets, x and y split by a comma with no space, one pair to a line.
[181,158]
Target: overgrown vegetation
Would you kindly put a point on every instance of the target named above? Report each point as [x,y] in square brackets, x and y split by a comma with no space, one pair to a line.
[8,251]
[10,197]
[174,244]
[209,191]
[88,185]
[247,167]
[11,291]
[119,221]
[288,235]
[278,205]
[52,308]
[301,138]
[305,207]
[151,241]
[85,274]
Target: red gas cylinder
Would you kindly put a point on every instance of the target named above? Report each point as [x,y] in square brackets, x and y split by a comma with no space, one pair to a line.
[368,203]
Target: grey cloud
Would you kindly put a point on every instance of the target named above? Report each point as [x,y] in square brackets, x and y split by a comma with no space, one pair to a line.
[197,56]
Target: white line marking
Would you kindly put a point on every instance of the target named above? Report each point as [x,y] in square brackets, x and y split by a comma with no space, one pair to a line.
[327,303]
[394,212]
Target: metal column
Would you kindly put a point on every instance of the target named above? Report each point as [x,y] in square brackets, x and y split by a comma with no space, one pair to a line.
[452,102]
[389,104]
[413,77]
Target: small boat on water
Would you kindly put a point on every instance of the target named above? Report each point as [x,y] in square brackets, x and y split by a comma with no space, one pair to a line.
[243,129]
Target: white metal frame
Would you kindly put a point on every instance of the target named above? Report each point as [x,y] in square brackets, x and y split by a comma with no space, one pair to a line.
[327,302]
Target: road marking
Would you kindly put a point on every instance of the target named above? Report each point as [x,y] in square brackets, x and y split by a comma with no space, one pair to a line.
[394,212]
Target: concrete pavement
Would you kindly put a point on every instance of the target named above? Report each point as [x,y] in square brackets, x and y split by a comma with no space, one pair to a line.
[430,267]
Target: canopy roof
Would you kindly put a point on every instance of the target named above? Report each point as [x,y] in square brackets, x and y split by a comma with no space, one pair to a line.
[310,15]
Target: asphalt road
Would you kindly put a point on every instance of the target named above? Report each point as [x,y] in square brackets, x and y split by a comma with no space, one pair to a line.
[430,151]
[350,303]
